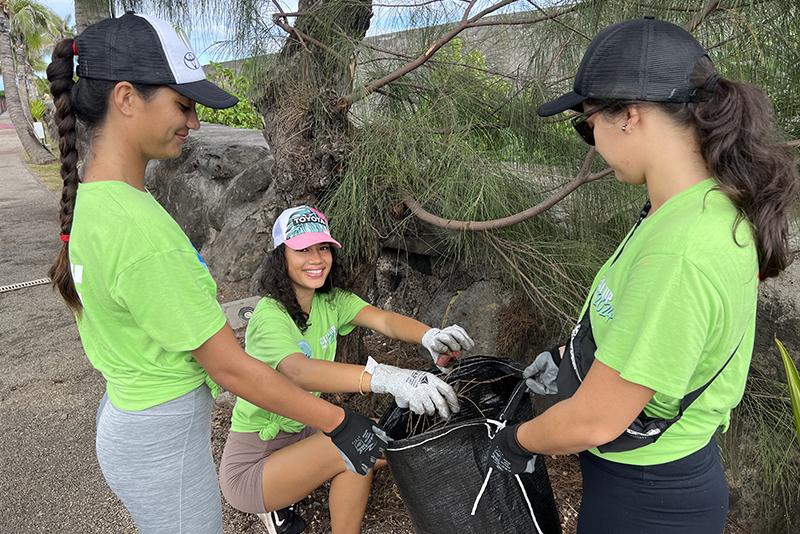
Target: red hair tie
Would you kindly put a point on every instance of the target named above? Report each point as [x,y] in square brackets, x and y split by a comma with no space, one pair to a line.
[65,238]
[74,48]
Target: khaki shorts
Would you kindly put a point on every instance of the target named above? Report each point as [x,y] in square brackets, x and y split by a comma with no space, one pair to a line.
[243,464]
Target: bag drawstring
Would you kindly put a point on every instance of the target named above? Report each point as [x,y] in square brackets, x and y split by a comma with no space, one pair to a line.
[499,426]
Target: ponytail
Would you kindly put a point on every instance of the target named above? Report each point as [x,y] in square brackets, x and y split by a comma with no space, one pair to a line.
[734,128]
[760,176]
[60,73]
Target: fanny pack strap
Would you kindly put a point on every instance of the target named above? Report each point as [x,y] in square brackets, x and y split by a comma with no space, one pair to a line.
[642,215]
[689,398]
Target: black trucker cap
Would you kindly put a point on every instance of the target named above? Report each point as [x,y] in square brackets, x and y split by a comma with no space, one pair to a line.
[141,49]
[640,59]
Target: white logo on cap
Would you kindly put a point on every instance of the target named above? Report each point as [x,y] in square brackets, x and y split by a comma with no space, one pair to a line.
[190,60]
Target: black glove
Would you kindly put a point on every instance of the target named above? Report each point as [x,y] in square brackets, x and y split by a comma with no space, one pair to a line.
[360,441]
[507,455]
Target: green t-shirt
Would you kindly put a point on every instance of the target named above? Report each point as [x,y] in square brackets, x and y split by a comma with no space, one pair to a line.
[672,309]
[272,335]
[148,298]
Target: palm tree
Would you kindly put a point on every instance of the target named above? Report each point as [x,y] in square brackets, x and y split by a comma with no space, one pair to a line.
[33,27]
[87,12]
[16,109]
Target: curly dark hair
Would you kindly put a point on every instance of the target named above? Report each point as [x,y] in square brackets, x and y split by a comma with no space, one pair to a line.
[275,283]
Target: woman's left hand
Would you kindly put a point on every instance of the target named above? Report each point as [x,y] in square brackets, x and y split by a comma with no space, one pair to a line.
[452,339]
[420,391]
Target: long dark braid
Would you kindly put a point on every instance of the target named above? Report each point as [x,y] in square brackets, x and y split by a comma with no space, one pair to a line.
[60,73]
[86,101]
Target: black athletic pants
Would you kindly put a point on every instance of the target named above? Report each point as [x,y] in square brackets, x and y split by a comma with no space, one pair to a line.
[687,496]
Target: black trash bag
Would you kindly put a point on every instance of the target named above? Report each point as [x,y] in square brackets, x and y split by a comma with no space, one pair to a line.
[440,467]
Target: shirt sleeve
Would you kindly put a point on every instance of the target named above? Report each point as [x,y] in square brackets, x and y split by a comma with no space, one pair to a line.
[271,334]
[172,298]
[348,305]
[661,324]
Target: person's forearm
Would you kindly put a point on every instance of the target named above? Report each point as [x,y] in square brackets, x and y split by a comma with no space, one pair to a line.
[268,389]
[324,376]
[559,430]
[405,328]
[230,367]
[597,413]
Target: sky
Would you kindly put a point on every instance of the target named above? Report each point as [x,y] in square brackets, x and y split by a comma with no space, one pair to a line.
[201,39]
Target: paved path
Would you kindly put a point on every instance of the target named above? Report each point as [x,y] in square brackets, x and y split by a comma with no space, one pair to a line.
[49,478]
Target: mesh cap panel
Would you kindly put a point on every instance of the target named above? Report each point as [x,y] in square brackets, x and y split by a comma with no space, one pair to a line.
[641,59]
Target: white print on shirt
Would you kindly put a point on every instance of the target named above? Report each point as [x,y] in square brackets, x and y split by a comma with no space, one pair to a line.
[602,300]
[77,277]
[328,339]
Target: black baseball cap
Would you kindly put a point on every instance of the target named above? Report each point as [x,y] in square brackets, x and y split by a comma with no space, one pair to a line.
[142,49]
[641,59]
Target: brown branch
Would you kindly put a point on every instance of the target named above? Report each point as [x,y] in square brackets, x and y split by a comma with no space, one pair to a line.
[466,11]
[697,19]
[583,177]
[302,36]
[471,23]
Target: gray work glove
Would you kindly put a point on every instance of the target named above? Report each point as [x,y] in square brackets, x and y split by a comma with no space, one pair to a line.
[452,339]
[420,391]
[541,374]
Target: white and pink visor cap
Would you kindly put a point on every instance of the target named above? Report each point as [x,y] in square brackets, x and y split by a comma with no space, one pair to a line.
[301,227]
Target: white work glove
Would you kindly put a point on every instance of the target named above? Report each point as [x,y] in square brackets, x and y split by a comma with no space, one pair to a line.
[453,339]
[420,391]
[541,374]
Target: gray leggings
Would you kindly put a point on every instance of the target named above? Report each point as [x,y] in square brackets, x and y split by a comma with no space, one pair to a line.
[158,462]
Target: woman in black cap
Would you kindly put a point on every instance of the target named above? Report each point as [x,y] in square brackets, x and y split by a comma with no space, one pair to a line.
[662,352]
[144,300]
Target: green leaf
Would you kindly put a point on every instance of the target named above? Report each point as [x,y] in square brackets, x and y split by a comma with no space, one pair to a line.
[793,380]
[37,109]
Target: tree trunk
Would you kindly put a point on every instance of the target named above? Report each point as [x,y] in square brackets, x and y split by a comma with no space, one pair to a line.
[36,152]
[87,12]
[303,125]
[24,94]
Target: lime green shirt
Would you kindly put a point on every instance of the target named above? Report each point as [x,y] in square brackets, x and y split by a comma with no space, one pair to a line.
[272,335]
[148,298]
[671,310]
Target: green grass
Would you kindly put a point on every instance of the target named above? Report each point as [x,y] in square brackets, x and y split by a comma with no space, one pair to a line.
[49,175]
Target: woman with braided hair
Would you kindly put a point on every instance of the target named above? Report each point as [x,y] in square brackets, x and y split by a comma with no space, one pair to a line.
[143,298]
[661,354]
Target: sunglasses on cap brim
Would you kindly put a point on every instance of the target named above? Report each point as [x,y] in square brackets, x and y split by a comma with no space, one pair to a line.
[582,125]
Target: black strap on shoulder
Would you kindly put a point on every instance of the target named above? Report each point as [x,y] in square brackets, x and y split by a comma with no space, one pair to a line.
[642,215]
[689,398]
